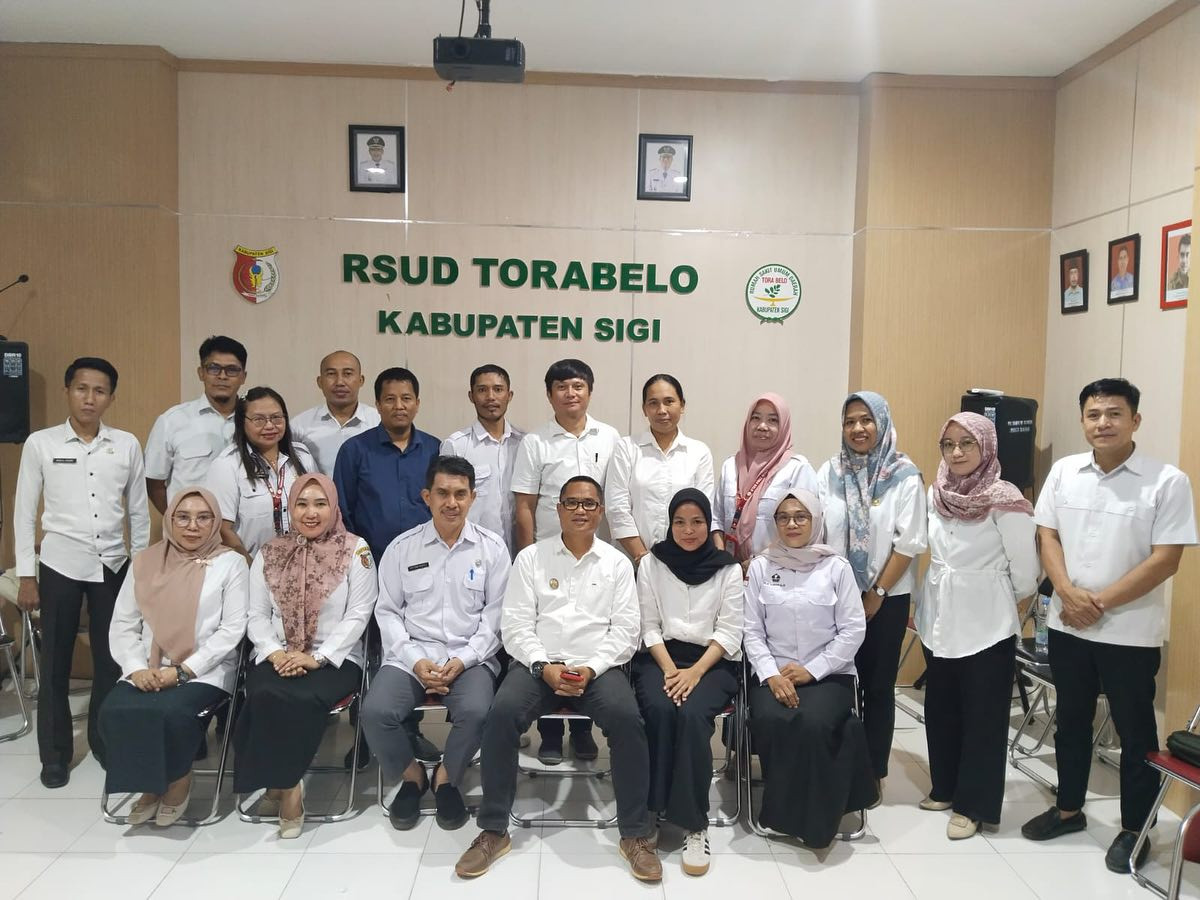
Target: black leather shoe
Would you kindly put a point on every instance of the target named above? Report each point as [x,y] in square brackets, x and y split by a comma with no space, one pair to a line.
[364,756]
[550,750]
[451,810]
[55,776]
[405,809]
[1050,825]
[583,745]
[1117,857]
[424,749]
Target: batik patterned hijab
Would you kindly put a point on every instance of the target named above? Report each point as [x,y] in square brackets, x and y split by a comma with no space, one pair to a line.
[972,497]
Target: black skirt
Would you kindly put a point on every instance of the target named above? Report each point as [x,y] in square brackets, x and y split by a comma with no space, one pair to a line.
[280,725]
[814,759]
[152,736]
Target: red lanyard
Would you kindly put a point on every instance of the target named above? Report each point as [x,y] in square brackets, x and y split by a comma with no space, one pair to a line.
[742,499]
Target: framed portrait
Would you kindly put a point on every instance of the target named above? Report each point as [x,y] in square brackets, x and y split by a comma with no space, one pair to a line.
[377,158]
[664,170]
[1176,265]
[1124,259]
[1073,281]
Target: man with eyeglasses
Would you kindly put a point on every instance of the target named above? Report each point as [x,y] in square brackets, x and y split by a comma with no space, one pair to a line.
[570,619]
[187,438]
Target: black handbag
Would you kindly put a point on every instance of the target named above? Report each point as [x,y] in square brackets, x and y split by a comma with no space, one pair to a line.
[1185,745]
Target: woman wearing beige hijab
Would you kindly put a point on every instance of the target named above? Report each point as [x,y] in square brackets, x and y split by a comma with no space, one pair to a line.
[175,631]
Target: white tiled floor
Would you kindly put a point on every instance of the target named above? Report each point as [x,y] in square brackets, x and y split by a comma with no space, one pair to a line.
[55,844]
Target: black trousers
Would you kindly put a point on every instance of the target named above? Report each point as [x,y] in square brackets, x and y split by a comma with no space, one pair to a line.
[62,602]
[608,701]
[680,737]
[1083,669]
[877,661]
[967,703]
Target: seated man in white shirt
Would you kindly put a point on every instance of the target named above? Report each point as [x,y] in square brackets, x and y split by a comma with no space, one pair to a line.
[441,585]
[324,428]
[92,482]
[571,618]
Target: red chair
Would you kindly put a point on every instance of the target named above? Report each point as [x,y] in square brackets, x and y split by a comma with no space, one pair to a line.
[1187,842]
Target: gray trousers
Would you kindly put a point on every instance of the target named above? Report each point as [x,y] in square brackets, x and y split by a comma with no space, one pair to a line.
[394,694]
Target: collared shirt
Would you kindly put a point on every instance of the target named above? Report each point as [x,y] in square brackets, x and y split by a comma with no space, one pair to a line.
[493,461]
[1108,524]
[86,491]
[977,573]
[341,620]
[696,613]
[379,485]
[220,625]
[898,522]
[249,503]
[795,473]
[813,618]
[642,479]
[550,456]
[583,612]
[323,435]
[437,602]
[183,443]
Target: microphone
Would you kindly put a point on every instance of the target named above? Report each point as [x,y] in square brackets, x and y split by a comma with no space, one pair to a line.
[21,279]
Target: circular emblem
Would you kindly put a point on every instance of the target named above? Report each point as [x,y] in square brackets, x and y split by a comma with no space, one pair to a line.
[773,293]
[554,584]
[255,273]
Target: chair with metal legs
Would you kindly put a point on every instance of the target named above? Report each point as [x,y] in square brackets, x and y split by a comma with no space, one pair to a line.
[430,704]
[734,713]
[565,714]
[902,702]
[6,647]
[29,650]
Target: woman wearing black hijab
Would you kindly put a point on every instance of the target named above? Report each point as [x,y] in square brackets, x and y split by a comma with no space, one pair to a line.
[691,597]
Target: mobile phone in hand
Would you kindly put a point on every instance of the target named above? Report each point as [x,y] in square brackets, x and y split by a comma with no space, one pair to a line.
[568,675]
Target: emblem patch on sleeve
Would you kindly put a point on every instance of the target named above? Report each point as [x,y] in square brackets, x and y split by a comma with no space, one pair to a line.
[364,557]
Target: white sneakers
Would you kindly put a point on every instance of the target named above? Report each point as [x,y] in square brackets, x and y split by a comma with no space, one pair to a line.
[696,855]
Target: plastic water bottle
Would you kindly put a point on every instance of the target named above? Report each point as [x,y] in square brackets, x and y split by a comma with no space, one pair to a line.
[1041,615]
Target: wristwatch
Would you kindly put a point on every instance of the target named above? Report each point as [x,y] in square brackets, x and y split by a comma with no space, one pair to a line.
[880,591]
[321,661]
[538,667]
[181,675]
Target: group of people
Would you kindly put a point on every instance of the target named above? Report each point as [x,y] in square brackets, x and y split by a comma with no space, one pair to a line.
[477,570]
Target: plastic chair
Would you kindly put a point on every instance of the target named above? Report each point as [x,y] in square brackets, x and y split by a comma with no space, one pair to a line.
[430,704]
[1187,841]
[6,647]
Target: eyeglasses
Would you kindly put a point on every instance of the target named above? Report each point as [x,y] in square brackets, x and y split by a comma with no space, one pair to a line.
[228,371]
[798,518]
[204,520]
[260,421]
[966,445]
[574,503]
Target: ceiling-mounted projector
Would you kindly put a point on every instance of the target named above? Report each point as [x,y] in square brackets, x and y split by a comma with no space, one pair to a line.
[479,58]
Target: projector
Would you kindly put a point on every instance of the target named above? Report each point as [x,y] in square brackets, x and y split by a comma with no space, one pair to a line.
[479,59]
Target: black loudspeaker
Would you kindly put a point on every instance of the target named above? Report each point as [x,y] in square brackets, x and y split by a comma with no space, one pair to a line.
[14,392]
[1014,419]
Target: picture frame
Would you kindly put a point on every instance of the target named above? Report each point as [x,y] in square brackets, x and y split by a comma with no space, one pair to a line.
[1073,282]
[663,175]
[1176,262]
[381,174]
[1124,264]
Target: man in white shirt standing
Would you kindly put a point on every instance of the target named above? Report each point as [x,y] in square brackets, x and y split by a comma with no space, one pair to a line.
[571,618]
[441,585]
[570,444]
[189,436]
[490,444]
[91,480]
[324,428]
[1112,525]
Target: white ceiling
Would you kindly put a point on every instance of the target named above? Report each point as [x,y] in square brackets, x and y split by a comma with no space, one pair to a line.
[823,40]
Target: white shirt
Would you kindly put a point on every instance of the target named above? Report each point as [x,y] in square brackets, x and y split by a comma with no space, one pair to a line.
[341,621]
[437,602]
[1108,524]
[812,618]
[898,522]
[696,613]
[795,473]
[248,503]
[582,612]
[977,573]
[220,625]
[551,455]
[183,443]
[86,490]
[323,435]
[494,461]
[642,479]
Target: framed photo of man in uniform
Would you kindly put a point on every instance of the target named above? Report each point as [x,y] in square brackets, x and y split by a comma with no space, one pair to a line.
[1124,260]
[664,169]
[1073,281]
[1176,265]
[377,158]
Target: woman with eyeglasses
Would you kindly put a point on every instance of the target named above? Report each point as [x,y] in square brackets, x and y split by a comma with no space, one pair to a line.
[179,618]
[874,502]
[252,478]
[983,559]
[804,622]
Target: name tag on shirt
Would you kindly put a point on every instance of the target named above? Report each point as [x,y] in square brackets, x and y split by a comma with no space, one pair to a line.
[414,568]
[65,460]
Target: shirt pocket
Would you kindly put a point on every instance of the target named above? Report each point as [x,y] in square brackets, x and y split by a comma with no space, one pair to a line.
[254,502]
[195,448]
[474,581]
[484,481]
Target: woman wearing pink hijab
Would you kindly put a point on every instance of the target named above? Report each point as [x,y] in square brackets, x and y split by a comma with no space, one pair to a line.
[753,481]
[983,560]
